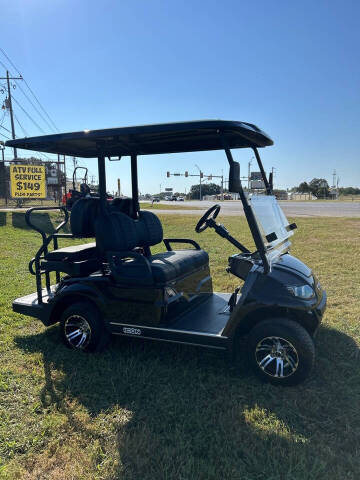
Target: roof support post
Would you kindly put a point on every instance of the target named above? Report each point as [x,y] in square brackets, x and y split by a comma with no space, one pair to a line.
[102,183]
[134,185]
[249,214]
[263,174]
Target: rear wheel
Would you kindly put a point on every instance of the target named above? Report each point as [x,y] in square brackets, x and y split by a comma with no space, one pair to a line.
[281,351]
[82,328]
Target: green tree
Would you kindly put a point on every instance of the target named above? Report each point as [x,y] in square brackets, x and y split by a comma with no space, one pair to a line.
[319,187]
[206,189]
[304,187]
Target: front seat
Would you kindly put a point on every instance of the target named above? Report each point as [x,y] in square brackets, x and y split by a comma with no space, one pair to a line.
[122,241]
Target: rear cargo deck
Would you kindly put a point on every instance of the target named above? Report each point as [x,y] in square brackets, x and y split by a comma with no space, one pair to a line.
[29,304]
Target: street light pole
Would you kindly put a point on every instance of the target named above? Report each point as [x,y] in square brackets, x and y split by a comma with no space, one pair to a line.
[200,181]
[249,164]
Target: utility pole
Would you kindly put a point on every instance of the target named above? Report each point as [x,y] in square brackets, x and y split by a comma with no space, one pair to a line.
[65,175]
[9,105]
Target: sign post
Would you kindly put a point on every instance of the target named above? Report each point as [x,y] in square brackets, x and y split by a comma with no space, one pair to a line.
[28,181]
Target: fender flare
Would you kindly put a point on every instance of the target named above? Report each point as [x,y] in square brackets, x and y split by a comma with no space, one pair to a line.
[71,294]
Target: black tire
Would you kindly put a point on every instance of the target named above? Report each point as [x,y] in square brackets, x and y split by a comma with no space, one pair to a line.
[281,351]
[86,319]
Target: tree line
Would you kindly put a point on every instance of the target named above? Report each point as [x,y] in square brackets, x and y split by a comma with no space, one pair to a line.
[319,187]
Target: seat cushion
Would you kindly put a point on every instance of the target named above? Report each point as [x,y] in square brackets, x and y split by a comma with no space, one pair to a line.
[169,266]
[75,253]
[82,268]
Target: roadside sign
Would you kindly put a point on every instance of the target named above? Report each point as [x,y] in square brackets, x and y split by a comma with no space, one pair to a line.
[28,181]
[256,184]
[255,176]
[168,189]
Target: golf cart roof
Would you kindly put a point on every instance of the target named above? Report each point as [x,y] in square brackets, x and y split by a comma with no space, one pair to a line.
[191,136]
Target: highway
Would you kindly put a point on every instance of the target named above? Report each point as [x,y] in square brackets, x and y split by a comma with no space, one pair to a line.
[291,208]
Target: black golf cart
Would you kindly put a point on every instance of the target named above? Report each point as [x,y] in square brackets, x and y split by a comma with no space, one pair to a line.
[116,285]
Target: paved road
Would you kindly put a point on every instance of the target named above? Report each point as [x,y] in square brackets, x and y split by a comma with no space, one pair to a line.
[308,209]
[296,209]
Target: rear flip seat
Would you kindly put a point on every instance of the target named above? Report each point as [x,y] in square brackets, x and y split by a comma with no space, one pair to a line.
[77,260]
[75,253]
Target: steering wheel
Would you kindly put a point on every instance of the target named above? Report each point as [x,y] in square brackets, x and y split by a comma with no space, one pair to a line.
[205,220]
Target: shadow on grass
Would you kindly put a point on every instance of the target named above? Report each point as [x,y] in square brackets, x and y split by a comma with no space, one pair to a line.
[194,415]
[43,221]
[2,219]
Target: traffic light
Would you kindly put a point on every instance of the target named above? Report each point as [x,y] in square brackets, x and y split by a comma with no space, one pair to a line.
[186,174]
[168,174]
[201,175]
[210,177]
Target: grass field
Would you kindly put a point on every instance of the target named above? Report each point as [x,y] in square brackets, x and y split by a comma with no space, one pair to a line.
[142,411]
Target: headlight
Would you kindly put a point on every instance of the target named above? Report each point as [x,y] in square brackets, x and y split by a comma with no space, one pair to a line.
[302,291]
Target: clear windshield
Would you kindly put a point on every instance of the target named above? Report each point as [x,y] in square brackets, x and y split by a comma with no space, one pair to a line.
[273,225]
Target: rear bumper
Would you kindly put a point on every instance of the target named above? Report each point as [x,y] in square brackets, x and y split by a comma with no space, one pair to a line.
[30,306]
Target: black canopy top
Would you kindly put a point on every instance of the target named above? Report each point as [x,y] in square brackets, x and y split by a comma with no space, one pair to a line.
[192,136]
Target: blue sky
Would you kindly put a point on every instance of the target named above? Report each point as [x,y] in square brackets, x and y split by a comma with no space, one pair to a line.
[292,68]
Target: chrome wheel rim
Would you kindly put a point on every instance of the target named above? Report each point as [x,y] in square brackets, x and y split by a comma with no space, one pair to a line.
[276,357]
[77,331]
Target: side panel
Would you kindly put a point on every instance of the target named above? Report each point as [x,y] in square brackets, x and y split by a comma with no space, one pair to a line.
[171,335]
[138,305]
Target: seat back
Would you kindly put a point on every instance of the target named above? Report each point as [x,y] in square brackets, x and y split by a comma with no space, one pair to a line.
[149,229]
[117,232]
[122,205]
[83,215]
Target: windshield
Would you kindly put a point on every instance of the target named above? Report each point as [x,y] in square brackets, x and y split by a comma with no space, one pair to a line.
[274,227]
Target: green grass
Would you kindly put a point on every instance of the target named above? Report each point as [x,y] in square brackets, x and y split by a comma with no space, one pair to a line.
[158,411]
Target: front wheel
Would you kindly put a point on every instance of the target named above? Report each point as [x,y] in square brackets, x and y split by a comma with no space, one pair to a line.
[82,328]
[281,351]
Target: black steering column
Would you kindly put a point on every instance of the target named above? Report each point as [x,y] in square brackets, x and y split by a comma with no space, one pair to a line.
[208,220]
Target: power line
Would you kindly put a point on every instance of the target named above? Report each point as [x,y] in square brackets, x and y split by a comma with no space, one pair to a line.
[3,118]
[35,108]
[28,115]
[5,128]
[3,135]
[22,128]
[31,91]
